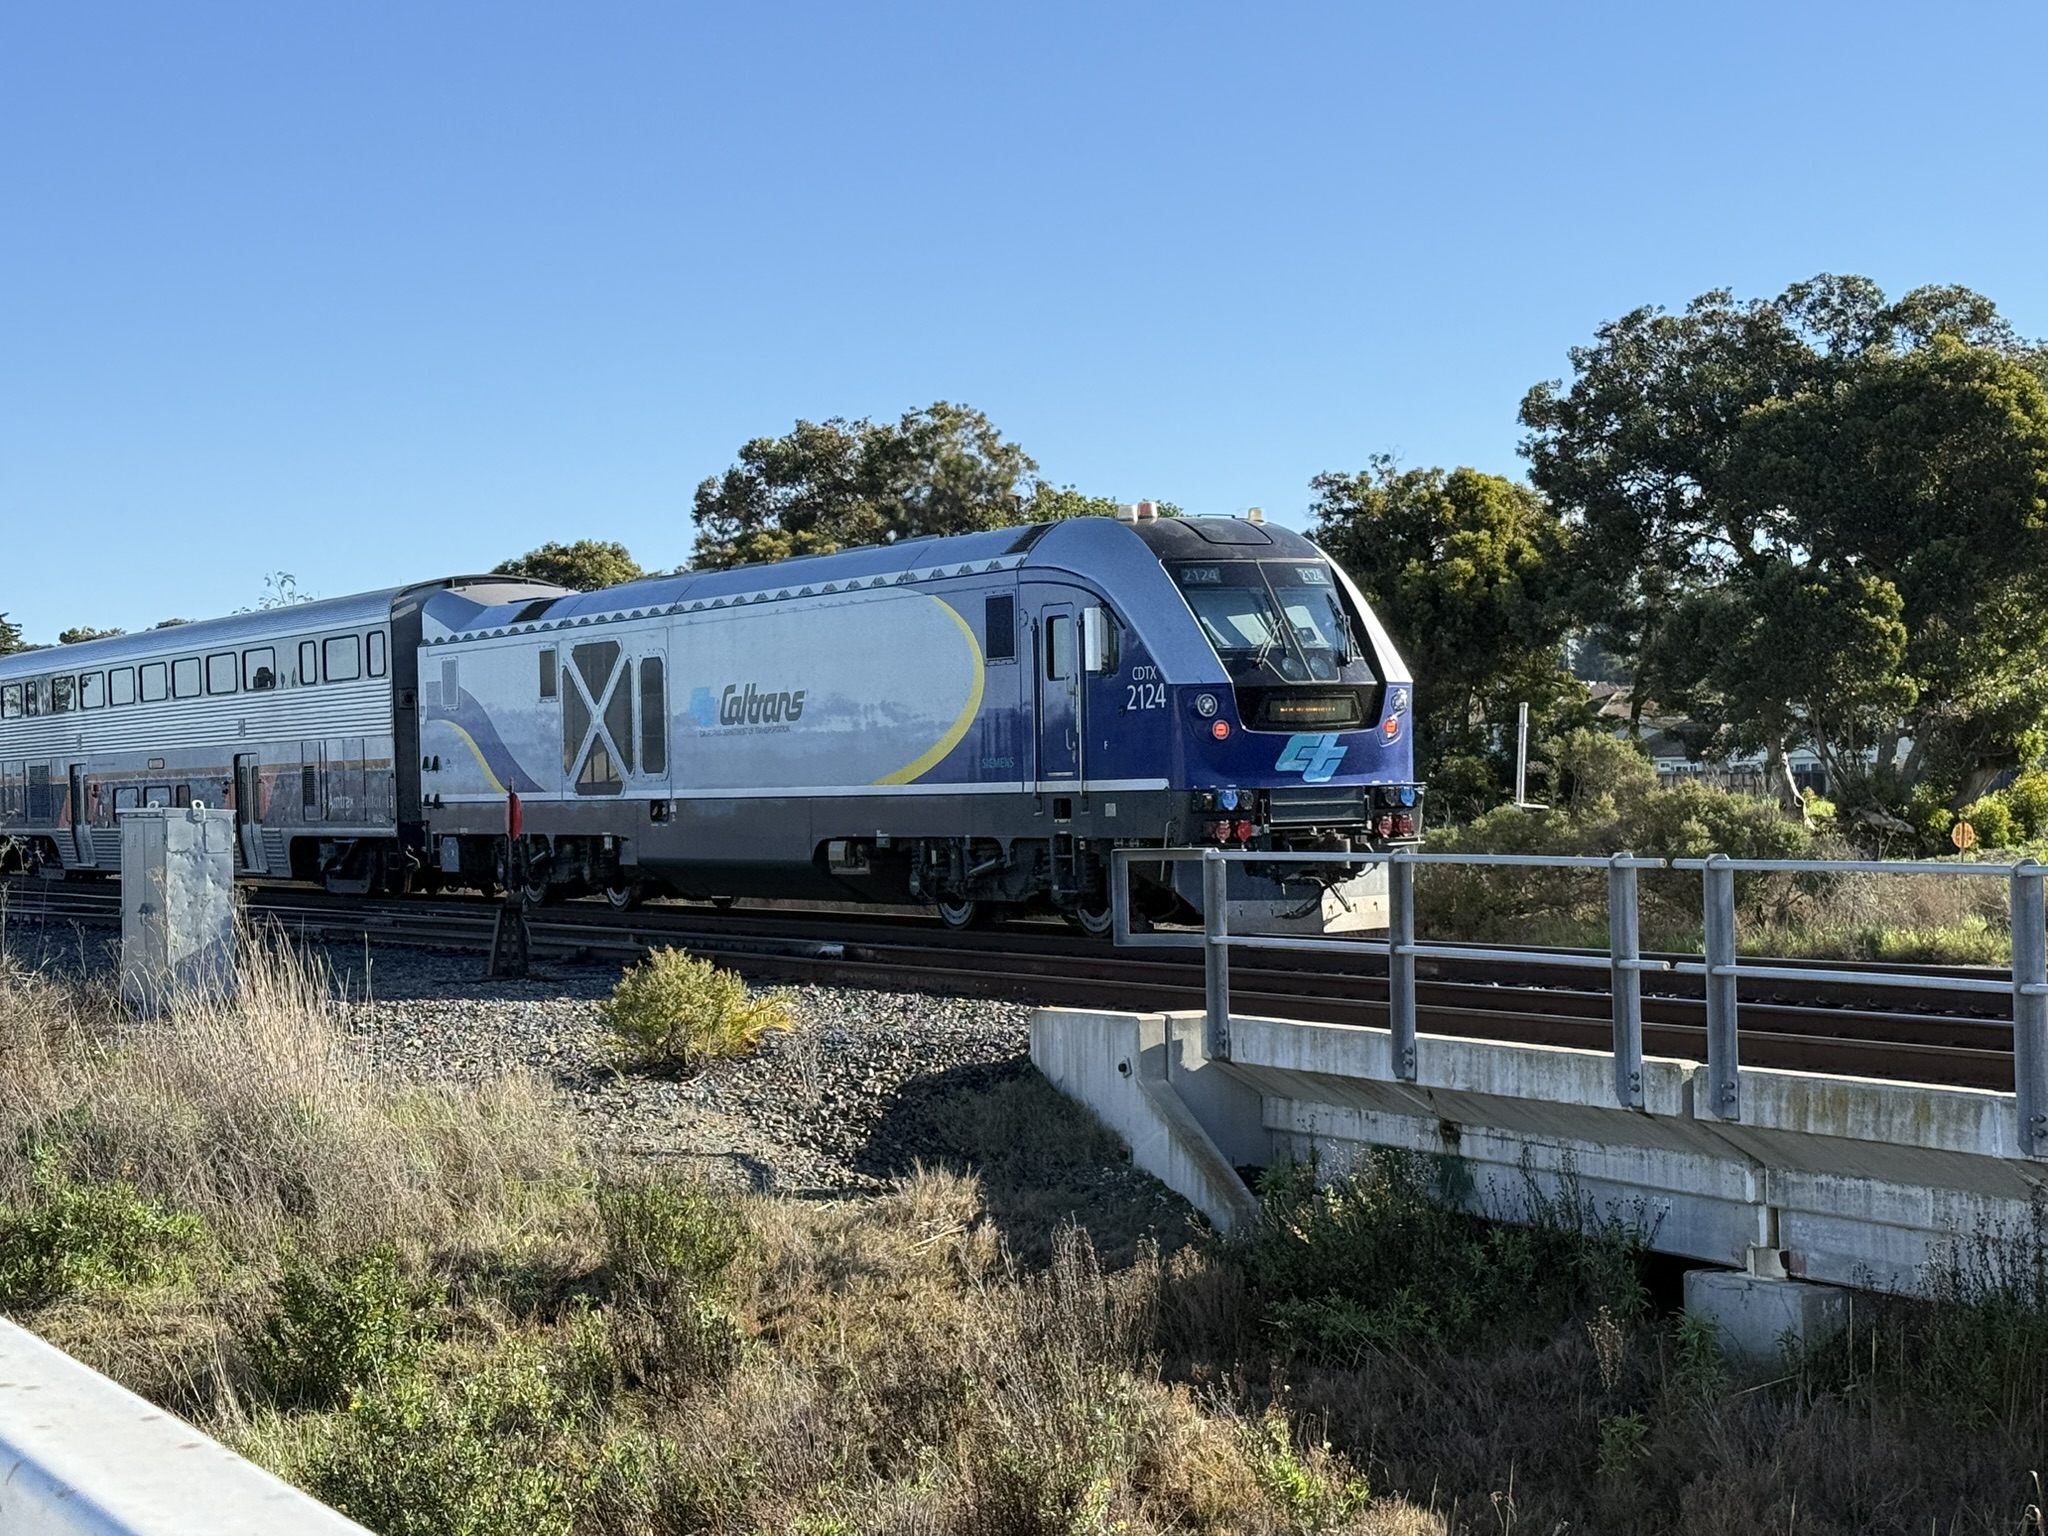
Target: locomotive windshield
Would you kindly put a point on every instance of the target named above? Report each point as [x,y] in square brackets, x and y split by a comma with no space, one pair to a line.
[1274,621]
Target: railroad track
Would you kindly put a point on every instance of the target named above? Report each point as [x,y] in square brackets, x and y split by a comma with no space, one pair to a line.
[1927,1036]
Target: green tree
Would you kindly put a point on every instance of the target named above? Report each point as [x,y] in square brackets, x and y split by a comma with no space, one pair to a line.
[584,566]
[10,637]
[830,485]
[1469,573]
[1821,517]
[75,636]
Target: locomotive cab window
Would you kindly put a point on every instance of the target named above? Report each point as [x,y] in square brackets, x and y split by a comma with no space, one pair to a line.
[92,690]
[221,672]
[547,672]
[259,670]
[121,686]
[309,663]
[1059,647]
[1000,629]
[377,666]
[156,682]
[185,678]
[341,658]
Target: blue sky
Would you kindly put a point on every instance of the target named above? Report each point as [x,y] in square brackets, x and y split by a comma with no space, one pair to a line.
[374,292]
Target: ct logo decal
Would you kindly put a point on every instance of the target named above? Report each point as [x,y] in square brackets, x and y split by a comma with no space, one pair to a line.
[1315,758]
[703,707]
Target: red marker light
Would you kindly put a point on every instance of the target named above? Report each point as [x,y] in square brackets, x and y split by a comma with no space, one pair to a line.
[1220,729]
[1393,727]
[1244,831]
[1220,830]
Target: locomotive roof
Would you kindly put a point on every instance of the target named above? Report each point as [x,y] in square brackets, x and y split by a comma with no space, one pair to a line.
[1095,546]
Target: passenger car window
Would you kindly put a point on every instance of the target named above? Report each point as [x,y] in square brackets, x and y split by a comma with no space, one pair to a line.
[185,678]
[10,702]
[126,798]
[156,682]
[62,691]
[92,689]
[220,672]
[32,697]
[376,653]
[309,663]
[342,658]
[259,670]
[121,686]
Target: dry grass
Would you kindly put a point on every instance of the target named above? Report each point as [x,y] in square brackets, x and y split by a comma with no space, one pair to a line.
[429,1308]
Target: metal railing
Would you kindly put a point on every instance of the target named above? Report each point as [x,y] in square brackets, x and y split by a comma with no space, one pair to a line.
[1720,965]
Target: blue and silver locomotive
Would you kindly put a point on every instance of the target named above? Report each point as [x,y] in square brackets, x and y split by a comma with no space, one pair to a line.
[971,723]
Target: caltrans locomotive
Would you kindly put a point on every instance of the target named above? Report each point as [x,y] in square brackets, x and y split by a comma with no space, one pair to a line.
[970,723]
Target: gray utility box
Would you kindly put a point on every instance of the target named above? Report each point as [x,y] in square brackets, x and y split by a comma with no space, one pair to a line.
[177,904]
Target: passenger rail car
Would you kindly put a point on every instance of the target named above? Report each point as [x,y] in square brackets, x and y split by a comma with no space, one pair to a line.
[973,722]
[303,719]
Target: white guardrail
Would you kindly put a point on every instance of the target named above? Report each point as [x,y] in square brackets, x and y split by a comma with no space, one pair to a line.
[2027,983]
[82,1456]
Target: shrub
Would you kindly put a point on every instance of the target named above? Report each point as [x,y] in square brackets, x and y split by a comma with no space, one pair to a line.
[487,1456]
[71,1237]
[673,1009]
[2027,797]
[670,1249]
[337,1329]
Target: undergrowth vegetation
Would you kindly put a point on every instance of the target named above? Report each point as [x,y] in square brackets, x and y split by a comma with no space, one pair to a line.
[1608,801]
[675,1010]
[430,1308]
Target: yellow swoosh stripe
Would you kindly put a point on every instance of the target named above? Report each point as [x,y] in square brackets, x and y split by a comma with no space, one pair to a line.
[910,772]
[475,751]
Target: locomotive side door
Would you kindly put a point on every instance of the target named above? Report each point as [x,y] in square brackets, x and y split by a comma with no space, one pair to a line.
[1060,730]
[650,717]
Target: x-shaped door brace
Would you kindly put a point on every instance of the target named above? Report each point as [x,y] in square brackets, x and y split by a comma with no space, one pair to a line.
[597,727]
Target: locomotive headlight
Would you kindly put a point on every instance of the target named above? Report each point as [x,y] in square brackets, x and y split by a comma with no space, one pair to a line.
[1226,799]
[1206,705]
[1400,700]
[1407,794]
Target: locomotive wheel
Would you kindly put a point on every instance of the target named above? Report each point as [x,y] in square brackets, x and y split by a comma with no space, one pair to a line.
[538,893]
[1096,924]
[625,896]
[964,914]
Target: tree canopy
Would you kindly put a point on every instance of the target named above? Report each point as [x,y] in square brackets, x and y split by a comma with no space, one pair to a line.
[10,637]
[83,633]
[583,566]
[1469,572]
[1817,518]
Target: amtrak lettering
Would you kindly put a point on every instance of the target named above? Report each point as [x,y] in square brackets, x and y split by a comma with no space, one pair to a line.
[757,708]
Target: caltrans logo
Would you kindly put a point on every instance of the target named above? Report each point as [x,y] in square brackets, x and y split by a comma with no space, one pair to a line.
[1315,758]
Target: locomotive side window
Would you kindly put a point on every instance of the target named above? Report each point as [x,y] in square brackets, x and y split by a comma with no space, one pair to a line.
[547,672]
[121,686]
[10,702]
[342,658]
[376,653]
[92,690]
[220,672]
[1059,646]
[259,670]
[999,629]
[62,692]
[309,663]
[156,682]
[653,718]
[185,678]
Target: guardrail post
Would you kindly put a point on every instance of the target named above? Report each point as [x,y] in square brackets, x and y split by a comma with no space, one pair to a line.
[1724,1079]
[1401,962]
[2030,1005]
[1625,984]
[1216,954]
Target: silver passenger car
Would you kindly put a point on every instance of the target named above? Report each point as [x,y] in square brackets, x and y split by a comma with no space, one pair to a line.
[301,719]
